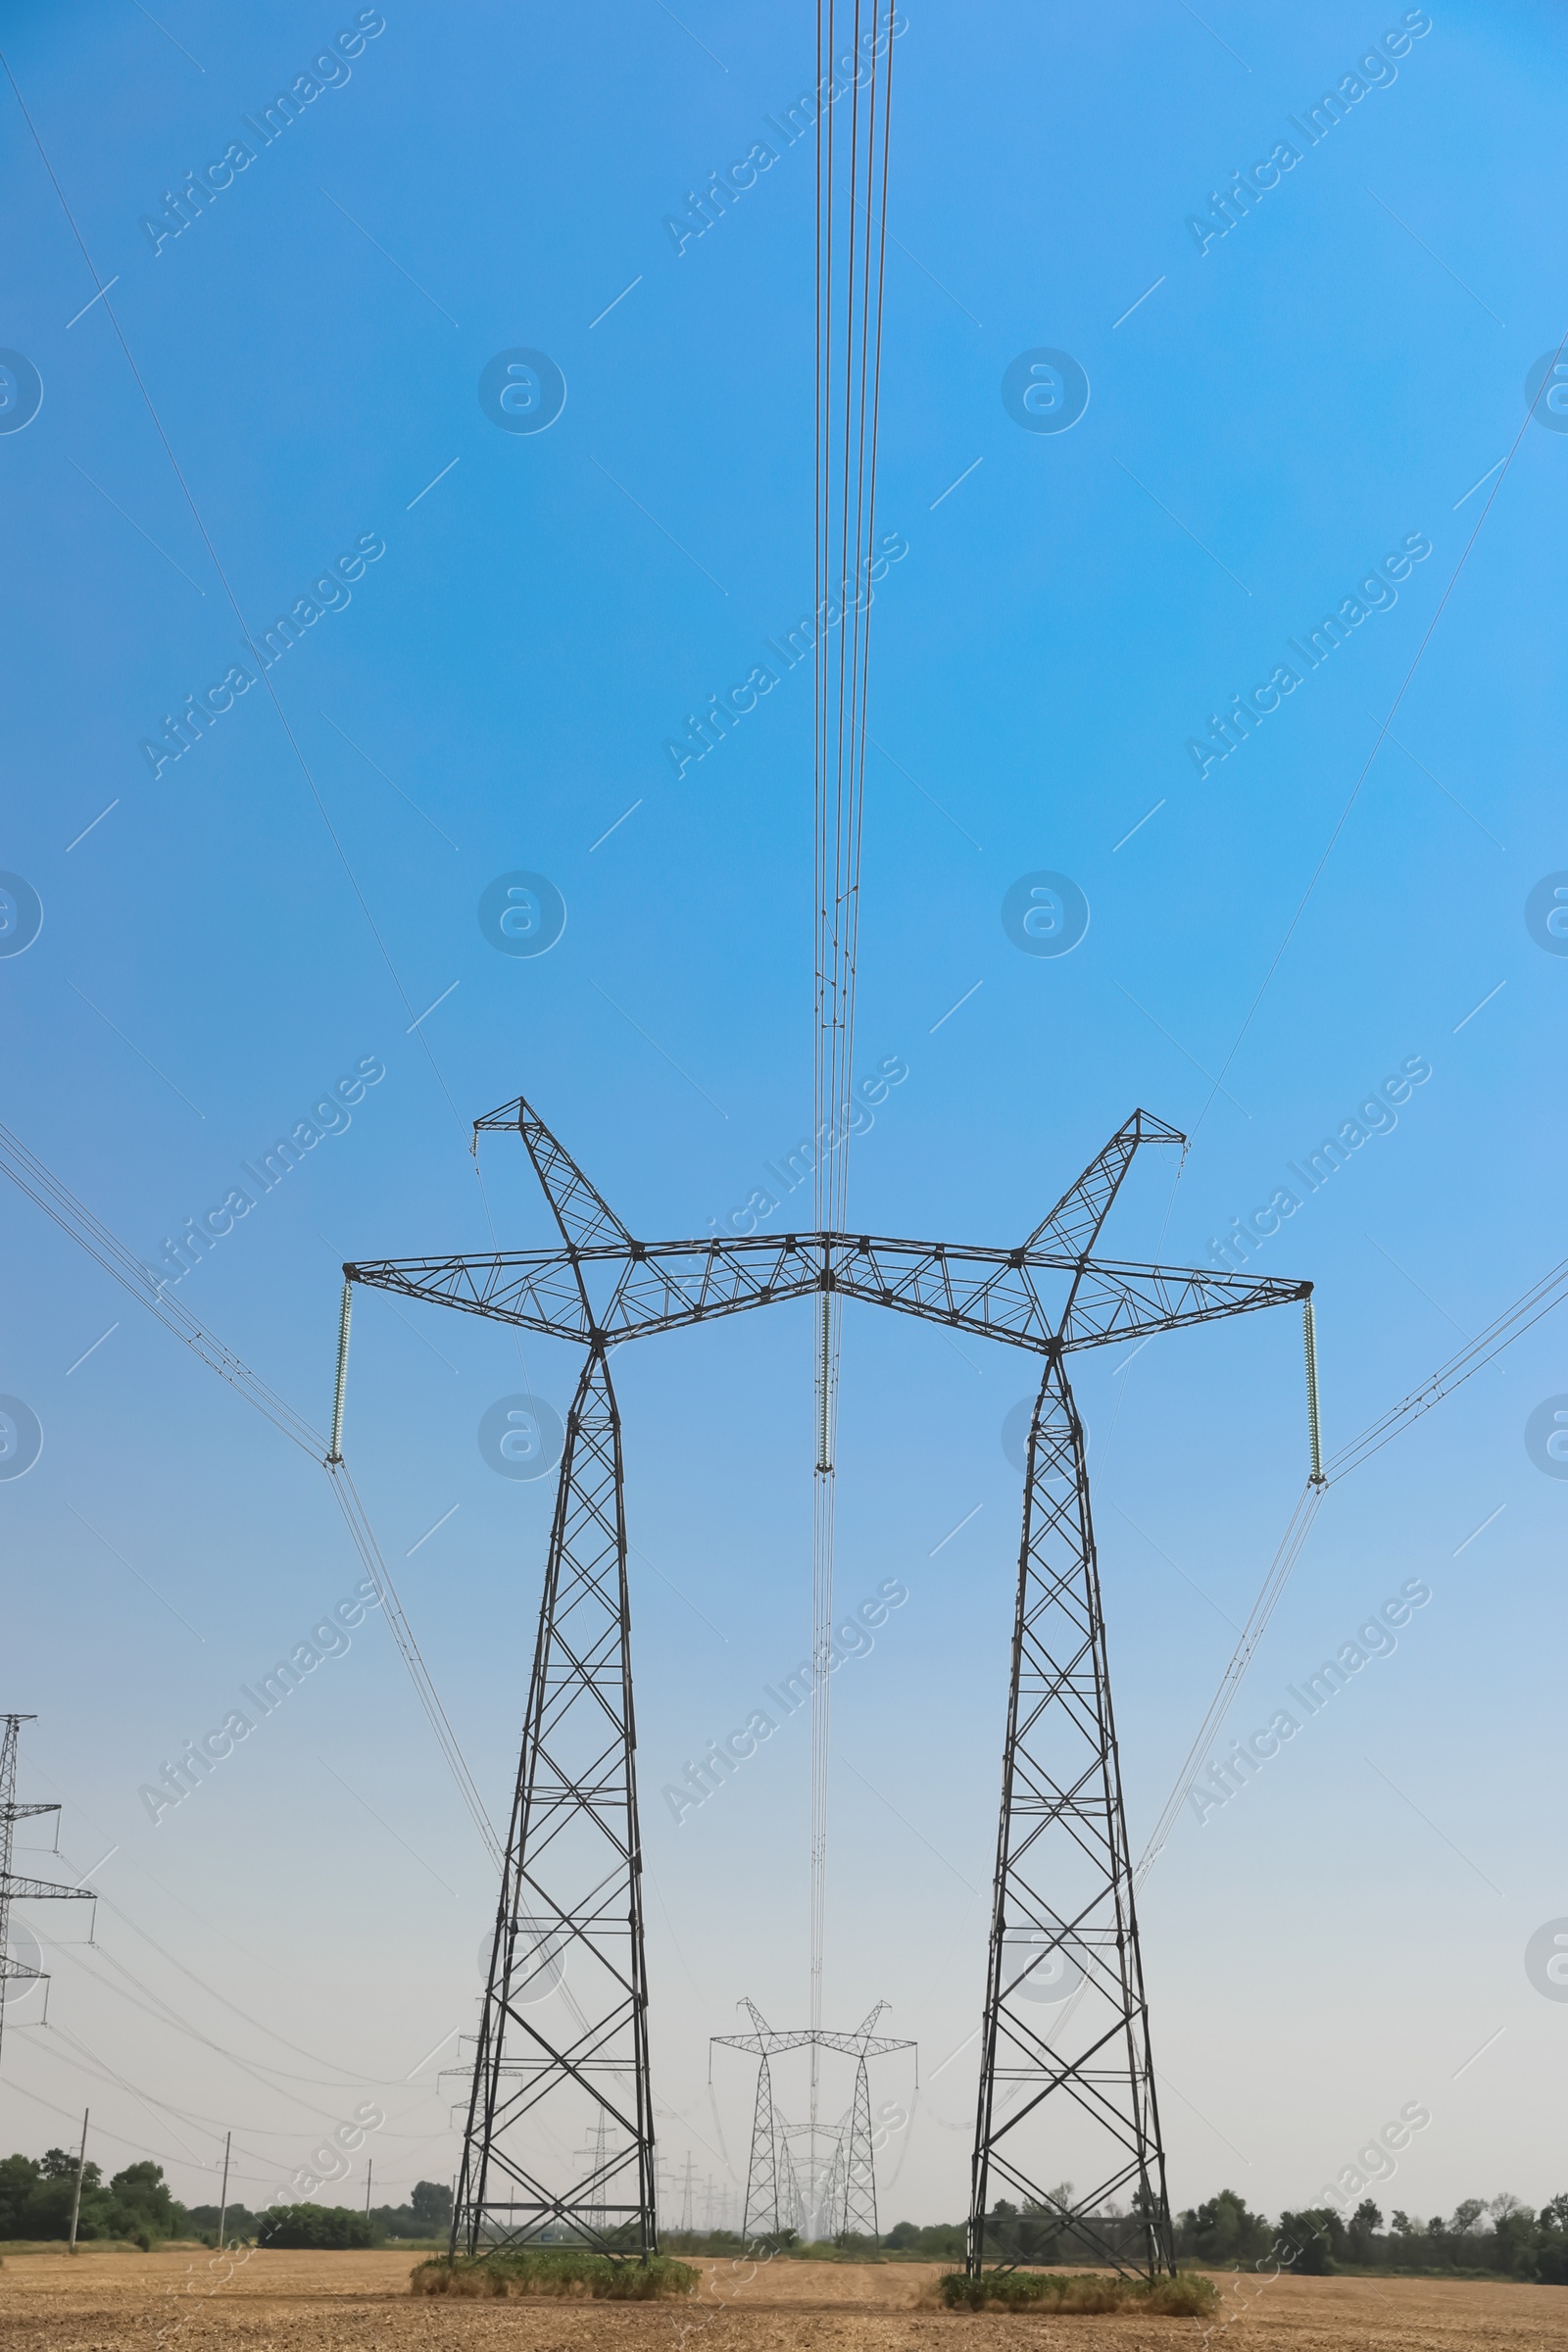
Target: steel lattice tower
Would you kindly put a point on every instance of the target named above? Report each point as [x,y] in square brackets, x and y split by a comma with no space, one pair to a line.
[848,2202]
[772,2192]
[39,1890]
[1062,1914]
[852,2201]
[1077,2087]
[566,2002]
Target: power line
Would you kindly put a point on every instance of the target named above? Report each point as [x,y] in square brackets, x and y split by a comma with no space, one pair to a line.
[848,375]
[153,2006]
[1525,1313]
[170,1960]
[1308,1503]
[1473,1358]
[59,1202]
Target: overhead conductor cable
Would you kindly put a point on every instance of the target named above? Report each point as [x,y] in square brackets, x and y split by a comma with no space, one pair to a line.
[851,165]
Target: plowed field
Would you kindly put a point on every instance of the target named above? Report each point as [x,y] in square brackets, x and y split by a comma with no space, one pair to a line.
[173,2301]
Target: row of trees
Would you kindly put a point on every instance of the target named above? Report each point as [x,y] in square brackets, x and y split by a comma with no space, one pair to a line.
[37,2199]
[1029,2234]
[1497,2234]
[1500,2235]
[36,2195]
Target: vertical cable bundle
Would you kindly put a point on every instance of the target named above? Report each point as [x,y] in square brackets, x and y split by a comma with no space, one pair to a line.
[853,92]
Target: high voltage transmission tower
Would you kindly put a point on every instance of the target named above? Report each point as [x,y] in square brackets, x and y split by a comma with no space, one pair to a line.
[564,2032]
[12,1888]
[839,2198]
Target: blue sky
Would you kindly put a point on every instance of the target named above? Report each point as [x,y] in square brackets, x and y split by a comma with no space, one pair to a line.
[1271,414]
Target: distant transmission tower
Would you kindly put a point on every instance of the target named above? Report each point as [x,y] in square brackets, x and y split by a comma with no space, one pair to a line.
[773,2201]
[594,2155]
[844,2201]
[12,1889]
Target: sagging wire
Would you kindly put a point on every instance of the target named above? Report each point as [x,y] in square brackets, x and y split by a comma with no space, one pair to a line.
[1500,1333]
[58,1202]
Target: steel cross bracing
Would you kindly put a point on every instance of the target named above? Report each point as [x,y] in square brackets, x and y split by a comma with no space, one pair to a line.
[1066,2011]
[853,2205]
[1064,1936]
[773,2200]
[565,2007]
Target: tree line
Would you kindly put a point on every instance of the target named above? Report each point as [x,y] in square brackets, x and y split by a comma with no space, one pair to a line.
[1500,2235]
[137,2207]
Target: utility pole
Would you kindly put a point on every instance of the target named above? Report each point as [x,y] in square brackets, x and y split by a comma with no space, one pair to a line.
[369,2170]
[223,2205]
[82,2166]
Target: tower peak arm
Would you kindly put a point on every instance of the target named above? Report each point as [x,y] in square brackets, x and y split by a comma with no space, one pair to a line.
[584,1214]
[1074,1224]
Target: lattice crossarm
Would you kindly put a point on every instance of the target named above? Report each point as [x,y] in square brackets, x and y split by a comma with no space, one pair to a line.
[669,1285]
[40,1891]
[538,1290]
[1116,1302]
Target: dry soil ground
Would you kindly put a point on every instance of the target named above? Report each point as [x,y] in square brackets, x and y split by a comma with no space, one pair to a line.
[173,2302]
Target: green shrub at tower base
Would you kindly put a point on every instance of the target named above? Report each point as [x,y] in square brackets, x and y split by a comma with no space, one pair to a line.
[1186,2297]
[559,2271]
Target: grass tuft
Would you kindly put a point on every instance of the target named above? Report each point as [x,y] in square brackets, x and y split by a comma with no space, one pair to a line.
[559,2271]
[1189,2296]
